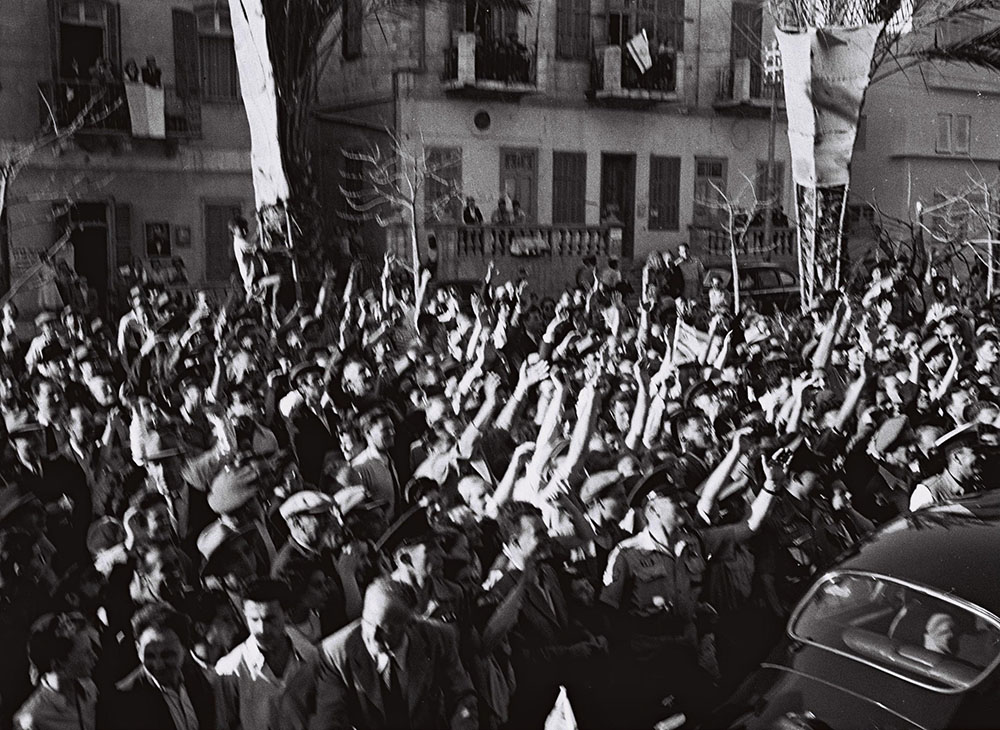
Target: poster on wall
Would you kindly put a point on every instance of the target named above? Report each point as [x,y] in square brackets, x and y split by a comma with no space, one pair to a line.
[158,239]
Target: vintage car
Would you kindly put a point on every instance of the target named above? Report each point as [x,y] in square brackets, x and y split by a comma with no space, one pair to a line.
[773,288]
[902,633]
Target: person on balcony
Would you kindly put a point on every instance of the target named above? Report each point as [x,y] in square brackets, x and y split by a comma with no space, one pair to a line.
[132,71]
[152,75]
[471,215]
[502,214]
[517,214]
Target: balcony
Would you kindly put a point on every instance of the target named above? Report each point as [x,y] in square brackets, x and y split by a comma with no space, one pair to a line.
[742,90]
[712,242]
[480,68]
[617,81]
[110,116]
[547,255]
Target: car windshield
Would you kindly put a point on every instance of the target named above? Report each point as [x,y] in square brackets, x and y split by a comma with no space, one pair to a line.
[926,638]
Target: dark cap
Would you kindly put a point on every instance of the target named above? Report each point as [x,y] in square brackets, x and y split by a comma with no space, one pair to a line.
[304,367]
[892,434]
[965,436]
[413,528]
[660,482]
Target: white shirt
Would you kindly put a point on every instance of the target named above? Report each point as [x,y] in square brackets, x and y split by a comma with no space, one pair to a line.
[251,692]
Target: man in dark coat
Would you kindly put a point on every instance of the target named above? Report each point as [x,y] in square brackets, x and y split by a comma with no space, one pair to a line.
[168,691]
[389,670]
[312,426]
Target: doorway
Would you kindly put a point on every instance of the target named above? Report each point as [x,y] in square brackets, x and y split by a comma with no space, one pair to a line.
[79,48]
[618,196]
[89,239]
[519,179]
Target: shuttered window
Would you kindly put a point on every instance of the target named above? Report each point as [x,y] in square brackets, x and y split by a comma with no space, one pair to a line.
[710,175]
[217,55]
[350,36]
[664,193]
[187,80]
[569,188]
[573,29]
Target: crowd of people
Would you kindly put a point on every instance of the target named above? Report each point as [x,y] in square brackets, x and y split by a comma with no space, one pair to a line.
[402,507]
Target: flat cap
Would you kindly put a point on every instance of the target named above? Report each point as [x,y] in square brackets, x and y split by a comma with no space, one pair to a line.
[304,367]
[232,488]
[307,502]
[893,433]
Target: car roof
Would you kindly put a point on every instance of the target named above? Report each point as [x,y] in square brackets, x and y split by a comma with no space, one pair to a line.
[953,548]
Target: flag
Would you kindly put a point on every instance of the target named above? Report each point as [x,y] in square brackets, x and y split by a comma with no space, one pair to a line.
[259,99]
[690,344]
[638,48]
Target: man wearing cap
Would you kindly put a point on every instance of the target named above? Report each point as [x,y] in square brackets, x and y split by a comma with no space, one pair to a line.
[653,583]
[235,496]
[312,425]
[605,502]
[309,517]
[163,462]
[261,679]
[390,670]
[375,467]
[45,323]
[193,426]
[893,451]
[960,469]
[806,531]
[58,483]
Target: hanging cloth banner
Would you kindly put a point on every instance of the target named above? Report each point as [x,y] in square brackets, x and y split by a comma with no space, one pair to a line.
[825,77]
[259,99]
[146,110]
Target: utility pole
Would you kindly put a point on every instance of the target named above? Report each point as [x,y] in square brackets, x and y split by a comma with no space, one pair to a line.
[772,77]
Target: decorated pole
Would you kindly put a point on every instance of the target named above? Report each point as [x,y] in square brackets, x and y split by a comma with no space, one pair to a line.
[827,48]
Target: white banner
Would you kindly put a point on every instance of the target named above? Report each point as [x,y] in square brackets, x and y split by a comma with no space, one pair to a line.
[146,110]
[825,77]
[259,100]
[690,343]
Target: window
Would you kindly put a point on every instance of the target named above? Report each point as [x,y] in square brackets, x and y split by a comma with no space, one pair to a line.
[663,21]
[217,55]
[777,184]
[664,193]
[518,178]
[443,187]
[785,279]
[573,28]
[747,27]
[953,134]
[219,260]
[709,185]
[916,634]
[569,187]
[350,41]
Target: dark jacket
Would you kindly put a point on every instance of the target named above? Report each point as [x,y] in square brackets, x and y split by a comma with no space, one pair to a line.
[350,692]
[136,703]
[312,438]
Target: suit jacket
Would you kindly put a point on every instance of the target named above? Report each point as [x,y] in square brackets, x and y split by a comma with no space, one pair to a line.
[312,439]
[349,692]
[136,704]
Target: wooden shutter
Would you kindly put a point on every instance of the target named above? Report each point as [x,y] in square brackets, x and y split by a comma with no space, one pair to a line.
[187,80]
[569,188]
[112,40]
[123,233]
[456,16]
[962,131]
[351,36]
[54,40]
[664,193]
[573,28]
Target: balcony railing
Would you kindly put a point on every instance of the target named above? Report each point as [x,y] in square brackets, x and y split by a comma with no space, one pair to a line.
[548,255]
[68,98]
[713,242]
[615,76]
[485,65]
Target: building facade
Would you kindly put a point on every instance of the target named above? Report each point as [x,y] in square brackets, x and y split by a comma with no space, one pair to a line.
[926,135]
[553,110]
[163,163]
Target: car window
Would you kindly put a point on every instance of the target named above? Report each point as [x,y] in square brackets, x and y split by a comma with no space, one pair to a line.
[930,639]
[786,279]
[767,279]
[747,281]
